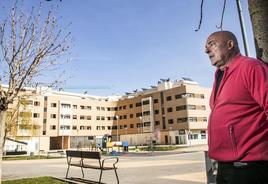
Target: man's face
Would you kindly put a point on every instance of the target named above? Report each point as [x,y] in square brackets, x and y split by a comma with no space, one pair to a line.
[217,50]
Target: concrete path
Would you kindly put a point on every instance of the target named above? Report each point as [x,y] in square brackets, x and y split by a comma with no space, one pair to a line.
[184,166]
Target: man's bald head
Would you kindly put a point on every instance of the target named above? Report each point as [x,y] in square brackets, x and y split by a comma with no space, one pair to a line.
[221,47]
[225,36]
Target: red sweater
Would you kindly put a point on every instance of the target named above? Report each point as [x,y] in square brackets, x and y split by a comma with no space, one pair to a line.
[238,123]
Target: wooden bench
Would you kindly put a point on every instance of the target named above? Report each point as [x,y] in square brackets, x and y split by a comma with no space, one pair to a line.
[84,159]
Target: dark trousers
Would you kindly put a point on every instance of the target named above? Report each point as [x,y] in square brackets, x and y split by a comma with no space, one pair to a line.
[249,173]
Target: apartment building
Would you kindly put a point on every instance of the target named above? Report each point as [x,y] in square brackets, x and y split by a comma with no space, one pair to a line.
[168,113]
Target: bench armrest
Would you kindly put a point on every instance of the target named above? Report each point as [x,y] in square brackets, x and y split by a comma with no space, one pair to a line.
[110,158]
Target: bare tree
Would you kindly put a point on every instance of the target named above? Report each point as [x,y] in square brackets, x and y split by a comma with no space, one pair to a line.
[19,116]
[31,45]
[259,18]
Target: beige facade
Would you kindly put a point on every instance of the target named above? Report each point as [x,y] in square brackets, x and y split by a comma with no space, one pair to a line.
[169,113]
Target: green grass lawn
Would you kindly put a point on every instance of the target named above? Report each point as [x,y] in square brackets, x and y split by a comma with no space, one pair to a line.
[28,157]
[39,180]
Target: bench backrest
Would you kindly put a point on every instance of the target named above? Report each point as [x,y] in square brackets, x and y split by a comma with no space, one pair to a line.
[91,154]
[83,154]
[72,153]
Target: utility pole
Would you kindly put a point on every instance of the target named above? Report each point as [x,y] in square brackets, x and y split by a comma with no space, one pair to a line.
[242,26]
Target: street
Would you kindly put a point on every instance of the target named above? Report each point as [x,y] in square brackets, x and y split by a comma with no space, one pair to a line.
[142,168]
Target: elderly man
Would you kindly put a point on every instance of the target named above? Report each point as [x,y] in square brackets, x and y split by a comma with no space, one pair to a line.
[238,123]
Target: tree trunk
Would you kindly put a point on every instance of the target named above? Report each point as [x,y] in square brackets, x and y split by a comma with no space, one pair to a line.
[259,18]
[2,130]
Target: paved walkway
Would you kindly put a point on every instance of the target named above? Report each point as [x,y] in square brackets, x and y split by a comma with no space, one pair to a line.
[183,166]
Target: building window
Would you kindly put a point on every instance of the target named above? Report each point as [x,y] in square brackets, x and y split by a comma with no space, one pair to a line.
[155,100]
[131,125]
[88,117]
[156,111]
[67,106]
[53,116]
[74,127]
[82,127]
[138,125]
[74,106]
[169,98]
[36,103]
[157,123]
[103,108]
[98,118]
[82,117]
[98,108]
[52,127]
[65,116]
[205,119]
[191,107]
[82,107]
[88,127]
[138,104]
[125,116]
[170,121]
[146,124]
[44,132]
[98,128]
[45,109]
[108,108]
[193,136]
[131,116]
[36,115]
[53,105]
[146,102]
[74,116]
[178,96]
[169,109]
[180,108]
[130,106]
[203,134]
[109,127]
[192,119]
[138,114]
[146,113]
[181,120]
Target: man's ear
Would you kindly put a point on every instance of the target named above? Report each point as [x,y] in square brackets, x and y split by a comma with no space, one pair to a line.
[230,44]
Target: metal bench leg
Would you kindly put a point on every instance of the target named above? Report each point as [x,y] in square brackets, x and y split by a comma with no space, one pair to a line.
[82,172]
[100,176]
[116,176]
[67,171]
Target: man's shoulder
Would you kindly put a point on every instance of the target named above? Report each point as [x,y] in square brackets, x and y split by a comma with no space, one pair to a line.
[249,62]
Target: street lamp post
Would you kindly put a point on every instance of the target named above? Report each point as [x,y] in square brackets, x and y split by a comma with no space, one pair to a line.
[126,133]
[141,124]
[170,135]
[117,117]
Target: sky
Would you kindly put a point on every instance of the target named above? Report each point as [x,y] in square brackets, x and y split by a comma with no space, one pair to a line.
[123,45]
